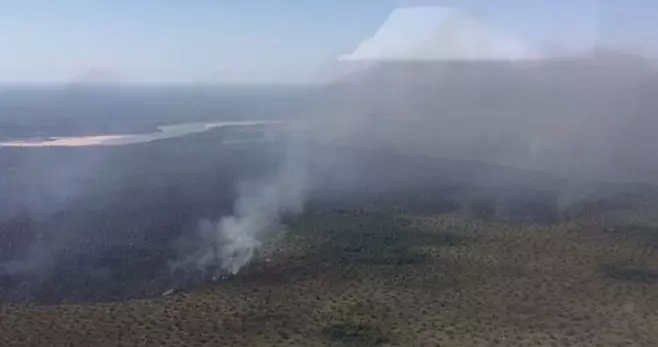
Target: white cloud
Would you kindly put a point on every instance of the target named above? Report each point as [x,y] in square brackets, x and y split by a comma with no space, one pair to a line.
[429,33]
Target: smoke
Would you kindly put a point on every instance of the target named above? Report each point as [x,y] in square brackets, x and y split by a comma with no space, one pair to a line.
[227,245]
[540,133]
[429,120]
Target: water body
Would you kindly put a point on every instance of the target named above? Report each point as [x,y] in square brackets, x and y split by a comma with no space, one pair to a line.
[163,132]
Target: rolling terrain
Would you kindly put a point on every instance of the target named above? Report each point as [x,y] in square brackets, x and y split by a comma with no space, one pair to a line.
[412,257]
[453,204]
[368,278]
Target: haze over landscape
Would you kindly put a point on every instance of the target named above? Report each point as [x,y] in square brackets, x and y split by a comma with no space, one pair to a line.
[378,173]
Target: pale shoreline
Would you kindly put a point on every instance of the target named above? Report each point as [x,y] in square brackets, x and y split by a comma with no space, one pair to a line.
[162,132]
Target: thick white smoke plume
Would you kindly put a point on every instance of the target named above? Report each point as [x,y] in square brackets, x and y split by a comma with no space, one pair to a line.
[230,243]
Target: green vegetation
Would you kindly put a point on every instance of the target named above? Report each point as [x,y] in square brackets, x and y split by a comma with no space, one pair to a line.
[356,334]
[368,278]
[632,274]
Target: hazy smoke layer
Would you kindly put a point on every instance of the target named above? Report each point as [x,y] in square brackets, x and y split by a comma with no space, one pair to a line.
[438,123]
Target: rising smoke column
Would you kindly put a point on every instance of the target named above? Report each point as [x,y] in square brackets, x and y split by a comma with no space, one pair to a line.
[230,243]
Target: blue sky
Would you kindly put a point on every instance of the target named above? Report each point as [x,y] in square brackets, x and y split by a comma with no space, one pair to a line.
[248,40]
